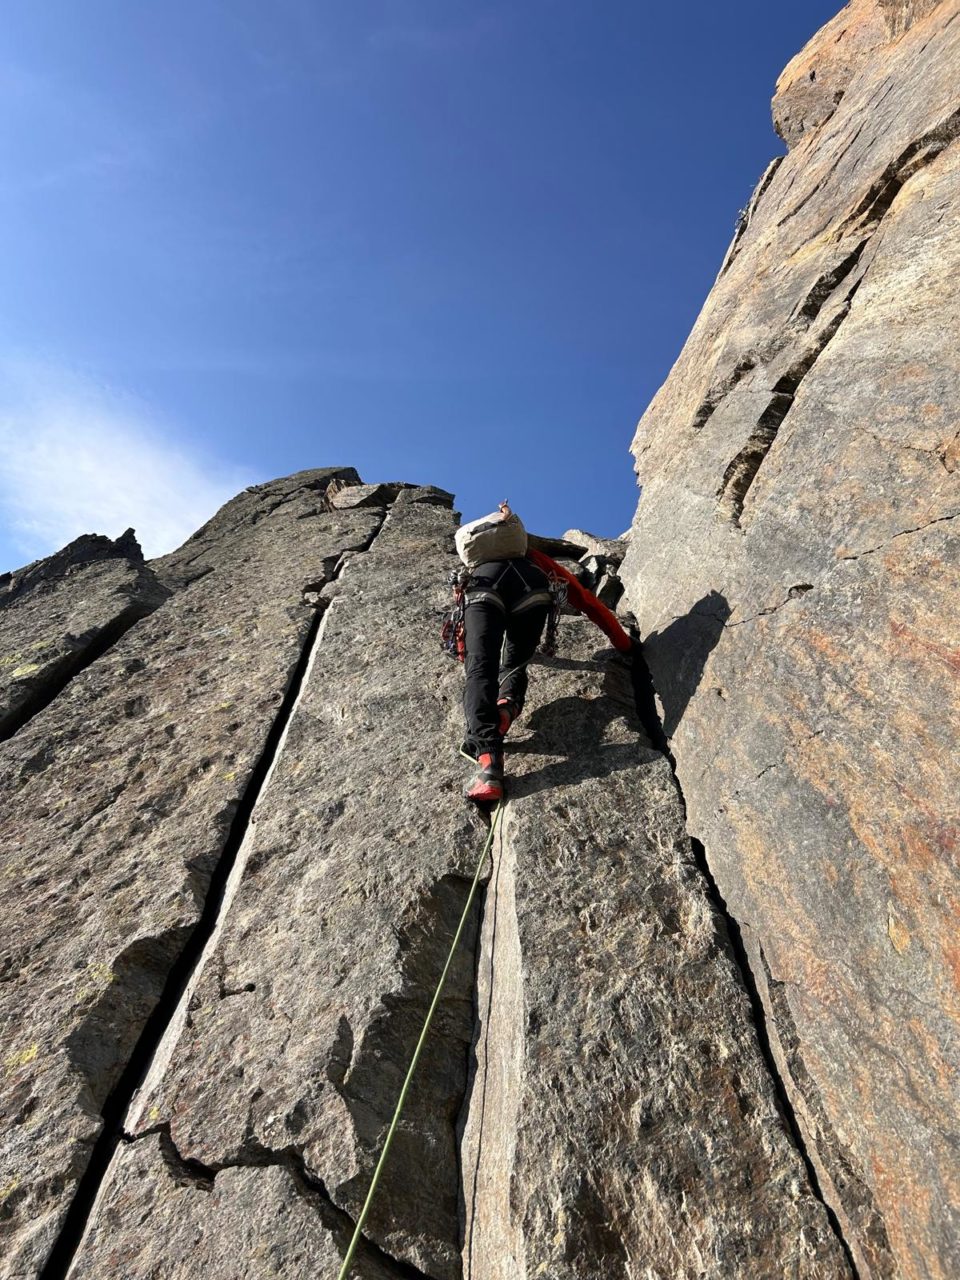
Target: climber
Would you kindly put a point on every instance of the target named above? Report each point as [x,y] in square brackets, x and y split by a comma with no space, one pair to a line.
[506,601]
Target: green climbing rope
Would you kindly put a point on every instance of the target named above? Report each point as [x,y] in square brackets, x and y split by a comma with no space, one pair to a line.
[358,1229]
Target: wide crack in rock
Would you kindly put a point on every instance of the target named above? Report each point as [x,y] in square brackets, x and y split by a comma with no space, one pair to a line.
[337,932]
[608,991]
[166,1007]
[118,806]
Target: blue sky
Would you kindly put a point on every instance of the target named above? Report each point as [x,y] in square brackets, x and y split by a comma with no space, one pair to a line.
[448,242]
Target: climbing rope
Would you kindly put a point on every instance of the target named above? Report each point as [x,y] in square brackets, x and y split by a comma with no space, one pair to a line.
[358,1229]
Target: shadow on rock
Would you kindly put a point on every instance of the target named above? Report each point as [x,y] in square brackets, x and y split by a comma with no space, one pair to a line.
[575,729]
[677,655]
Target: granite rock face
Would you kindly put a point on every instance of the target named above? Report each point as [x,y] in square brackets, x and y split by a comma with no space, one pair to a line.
[57,615]
[263,1222]
[622,1120]
[288,1049]
[117,803]
[239,853]
[235,849]
[794,568]
[296,1036]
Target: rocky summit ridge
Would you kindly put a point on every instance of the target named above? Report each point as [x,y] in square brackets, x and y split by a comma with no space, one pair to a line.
[703,1022]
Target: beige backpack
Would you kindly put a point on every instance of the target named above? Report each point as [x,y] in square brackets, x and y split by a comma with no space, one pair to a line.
[491,538]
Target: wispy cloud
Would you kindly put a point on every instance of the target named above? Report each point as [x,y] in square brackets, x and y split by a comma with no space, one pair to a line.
[80,457]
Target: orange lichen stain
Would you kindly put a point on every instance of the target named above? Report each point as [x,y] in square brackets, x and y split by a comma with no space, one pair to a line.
[922,846]
[951,954]
[931,1053]
[824,645]
[950,656]
[931,410]
[904,1201]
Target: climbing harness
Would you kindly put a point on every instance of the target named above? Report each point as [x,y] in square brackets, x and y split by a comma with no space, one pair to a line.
[452,631]
[358,1229]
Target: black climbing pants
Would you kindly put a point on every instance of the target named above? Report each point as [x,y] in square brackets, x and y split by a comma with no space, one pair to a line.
[507,603]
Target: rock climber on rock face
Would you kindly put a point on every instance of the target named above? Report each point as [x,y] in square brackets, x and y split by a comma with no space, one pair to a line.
[506,601]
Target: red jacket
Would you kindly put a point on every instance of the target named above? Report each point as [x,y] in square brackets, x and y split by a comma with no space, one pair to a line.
[584,601]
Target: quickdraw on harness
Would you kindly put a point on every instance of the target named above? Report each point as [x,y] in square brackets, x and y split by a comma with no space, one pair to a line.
[558,598]
[453,635]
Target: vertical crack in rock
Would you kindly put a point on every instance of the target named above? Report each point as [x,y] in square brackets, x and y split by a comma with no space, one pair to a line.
[746,215]
[497,945]
[742,470]
[721,389]
[803,318]
[761,1016]
[390,1037]
[827,284]
[856,1210]
[162,1026]
[64,672]
[921,152]
[866,218]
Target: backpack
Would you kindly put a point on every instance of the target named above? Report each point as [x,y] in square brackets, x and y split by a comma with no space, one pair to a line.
[491,538]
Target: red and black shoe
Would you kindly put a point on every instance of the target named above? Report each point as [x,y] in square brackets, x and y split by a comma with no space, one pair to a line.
[508,711]
[487,786]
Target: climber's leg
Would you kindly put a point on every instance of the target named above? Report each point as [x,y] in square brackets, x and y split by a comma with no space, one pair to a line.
[484,622]
[524,629]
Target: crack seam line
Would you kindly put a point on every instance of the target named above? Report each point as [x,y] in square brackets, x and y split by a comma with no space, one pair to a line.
[774,764]
[737,952]
[291,1160]
[490,903]
[765,436]
[764,613]
[904,533]
[871,225]
[115,1115]
[73,665]
[171,1037]
[164,1051]
[481,862]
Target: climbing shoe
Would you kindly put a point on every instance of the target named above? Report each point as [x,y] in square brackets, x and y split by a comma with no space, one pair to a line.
[508,712]
[487,786]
